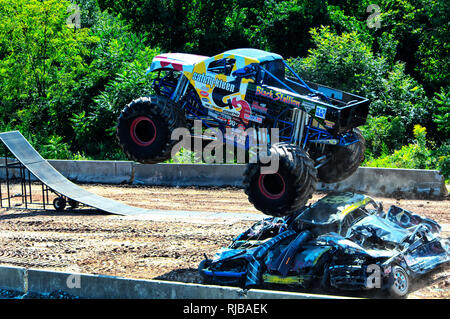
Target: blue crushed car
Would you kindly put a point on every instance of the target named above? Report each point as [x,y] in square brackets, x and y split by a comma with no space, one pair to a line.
[343,241]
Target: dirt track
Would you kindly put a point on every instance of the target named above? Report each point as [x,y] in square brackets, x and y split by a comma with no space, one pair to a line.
[122,246]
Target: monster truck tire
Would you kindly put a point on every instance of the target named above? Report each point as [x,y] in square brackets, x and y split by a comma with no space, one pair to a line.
[287,190]
[344,161]
[145,127]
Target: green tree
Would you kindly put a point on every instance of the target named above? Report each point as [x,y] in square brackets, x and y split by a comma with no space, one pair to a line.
[415,155]
[347,63]
[442,114]
[418,29]
[383,135]
[282,26]
[51,74]
[116,75]
[41,59]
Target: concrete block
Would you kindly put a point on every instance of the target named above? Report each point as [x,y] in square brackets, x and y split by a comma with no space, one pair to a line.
[111,172]
[42,281]
[179,290]
[407,183]
[109,287]
[189,174]
[13,278]
[115,287]
[273,294]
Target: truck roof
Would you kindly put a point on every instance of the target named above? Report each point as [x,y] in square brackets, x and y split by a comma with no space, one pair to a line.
[185,61]
[176,61]
[256,54]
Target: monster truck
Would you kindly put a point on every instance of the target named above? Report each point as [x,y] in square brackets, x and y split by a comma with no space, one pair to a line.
[316,137]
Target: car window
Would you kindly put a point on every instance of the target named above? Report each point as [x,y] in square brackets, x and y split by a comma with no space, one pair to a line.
[276,68]
[351,219]
[222,66]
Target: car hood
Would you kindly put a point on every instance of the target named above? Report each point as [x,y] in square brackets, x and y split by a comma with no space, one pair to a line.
[383,229]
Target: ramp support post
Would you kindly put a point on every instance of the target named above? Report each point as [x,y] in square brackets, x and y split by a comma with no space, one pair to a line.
[7,177]
[24,177]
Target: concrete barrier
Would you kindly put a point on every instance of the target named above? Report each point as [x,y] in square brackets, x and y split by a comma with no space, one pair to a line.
[107,172]
[109,287]
[406,183]
[189,174]
[409,183]
[13,278]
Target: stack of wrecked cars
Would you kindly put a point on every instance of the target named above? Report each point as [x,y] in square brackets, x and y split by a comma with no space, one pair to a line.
[343,241]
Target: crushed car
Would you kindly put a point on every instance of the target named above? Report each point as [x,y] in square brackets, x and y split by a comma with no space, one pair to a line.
[343,241]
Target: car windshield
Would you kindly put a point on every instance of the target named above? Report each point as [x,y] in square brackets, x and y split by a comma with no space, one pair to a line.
[329,209]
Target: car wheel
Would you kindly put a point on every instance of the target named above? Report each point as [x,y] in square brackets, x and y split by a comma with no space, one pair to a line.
[399,282]
[59,203]
[204,264]
[73,204]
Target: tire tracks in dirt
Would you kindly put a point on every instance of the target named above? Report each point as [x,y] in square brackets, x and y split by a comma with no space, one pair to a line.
[144,249]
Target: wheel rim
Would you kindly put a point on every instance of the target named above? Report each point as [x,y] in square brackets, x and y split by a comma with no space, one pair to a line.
[272,186]
[143,131]
[59,203]
[400,281]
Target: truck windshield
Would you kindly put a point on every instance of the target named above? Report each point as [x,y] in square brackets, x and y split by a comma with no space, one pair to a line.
[277,68]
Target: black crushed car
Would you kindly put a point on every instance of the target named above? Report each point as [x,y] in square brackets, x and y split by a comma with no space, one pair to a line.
[343,241]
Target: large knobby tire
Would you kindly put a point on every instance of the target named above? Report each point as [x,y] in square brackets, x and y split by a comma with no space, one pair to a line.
[287,190]
[344,161]
[145,127]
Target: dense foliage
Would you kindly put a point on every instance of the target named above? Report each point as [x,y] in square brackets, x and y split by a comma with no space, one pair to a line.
[63,84]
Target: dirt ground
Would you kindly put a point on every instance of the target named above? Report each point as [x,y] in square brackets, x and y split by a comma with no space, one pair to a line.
[90,242]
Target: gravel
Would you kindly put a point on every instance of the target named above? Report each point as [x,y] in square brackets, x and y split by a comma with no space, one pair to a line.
[11,294]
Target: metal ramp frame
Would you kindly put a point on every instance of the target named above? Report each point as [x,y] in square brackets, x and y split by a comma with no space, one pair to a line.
[24,179]
[30,164]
